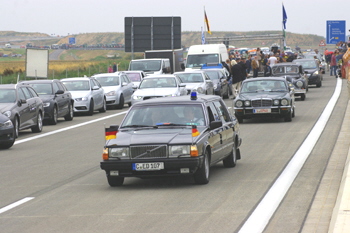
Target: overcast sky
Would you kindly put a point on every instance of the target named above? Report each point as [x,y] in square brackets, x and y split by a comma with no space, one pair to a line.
[65,17]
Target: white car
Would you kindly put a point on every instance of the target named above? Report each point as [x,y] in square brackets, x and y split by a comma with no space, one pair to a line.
[197,80]
[87,93]
[155,86]
[118,88]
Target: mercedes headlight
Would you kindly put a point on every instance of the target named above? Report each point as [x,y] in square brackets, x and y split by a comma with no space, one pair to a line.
[6,124]
[239,103]
[299,84]
[247,103]
[175,151]
[7,113]
[120,152]
[276,102]
[284,102]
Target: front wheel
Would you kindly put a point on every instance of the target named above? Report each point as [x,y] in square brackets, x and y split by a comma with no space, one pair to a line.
[231,160]
[121,102]
[70,113]
[104,107]
[302,96]
[115,181]
[202,174]
[54,117]
[91,108]
[39,124]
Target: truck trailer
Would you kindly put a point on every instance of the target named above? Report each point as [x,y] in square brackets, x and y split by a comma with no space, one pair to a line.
[175,56]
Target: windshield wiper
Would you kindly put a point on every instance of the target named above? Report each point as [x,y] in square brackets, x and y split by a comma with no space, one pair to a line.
[136,126]
[169,124]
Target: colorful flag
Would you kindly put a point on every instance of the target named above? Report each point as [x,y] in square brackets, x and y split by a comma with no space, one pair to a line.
[111,132]
[207,22]
[284,17]
[195,132]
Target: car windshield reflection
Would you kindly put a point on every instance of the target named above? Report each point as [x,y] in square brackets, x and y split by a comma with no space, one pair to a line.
[7,96]
[158,83]
[77,85]
[262,86]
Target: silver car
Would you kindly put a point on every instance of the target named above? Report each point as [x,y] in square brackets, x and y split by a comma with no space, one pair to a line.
[87,93]
[155,86]
[135,76]
[118,88]
[197,80]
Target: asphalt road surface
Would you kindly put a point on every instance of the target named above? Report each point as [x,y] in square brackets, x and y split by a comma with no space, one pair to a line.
[59,173]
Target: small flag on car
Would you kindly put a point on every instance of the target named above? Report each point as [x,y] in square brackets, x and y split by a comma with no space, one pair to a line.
[195,132]
[111,132]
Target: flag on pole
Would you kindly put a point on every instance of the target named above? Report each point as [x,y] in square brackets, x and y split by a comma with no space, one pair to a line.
[284,17]
[195,132]
[207,22]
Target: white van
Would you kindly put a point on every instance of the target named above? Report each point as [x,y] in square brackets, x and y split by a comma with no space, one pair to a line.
[207,54]
[7,45]
[151,65]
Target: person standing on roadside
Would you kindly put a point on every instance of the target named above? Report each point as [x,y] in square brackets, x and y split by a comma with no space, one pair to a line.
[244,67]
[272,60]
[237,77]
[334,63]
[110,69]
[115,67]
[255,66]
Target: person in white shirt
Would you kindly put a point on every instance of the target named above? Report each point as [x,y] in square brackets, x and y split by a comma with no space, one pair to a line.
[272,60]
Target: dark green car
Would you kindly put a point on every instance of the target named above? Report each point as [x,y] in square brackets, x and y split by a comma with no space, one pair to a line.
[265,97]
[172,136]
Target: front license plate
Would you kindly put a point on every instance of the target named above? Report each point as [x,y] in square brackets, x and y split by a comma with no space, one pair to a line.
[265,110]
[148,166]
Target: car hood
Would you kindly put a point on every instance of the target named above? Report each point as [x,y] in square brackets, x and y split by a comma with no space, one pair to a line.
[148,136]
[79,94]
[155,91]
[111,88]
[6,106]
[311,70]
[191,86]
[46,98]
[259,95]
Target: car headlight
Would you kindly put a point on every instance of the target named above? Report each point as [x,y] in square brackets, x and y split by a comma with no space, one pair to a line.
[111,93]
[120,152]
[7,113]
[47,104]
[239,103]
[81,99]
[136,97]
[299,84]
[276,102]
[215,86]
[200,90]
[175,151]
[284,102]
[315,73]
[247,103]
[7,124]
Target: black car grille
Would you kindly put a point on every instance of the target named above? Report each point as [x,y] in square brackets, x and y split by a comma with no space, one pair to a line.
[147,152]
[262,103]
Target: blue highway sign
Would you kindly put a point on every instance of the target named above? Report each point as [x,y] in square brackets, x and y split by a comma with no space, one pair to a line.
[335,31]
[72,40]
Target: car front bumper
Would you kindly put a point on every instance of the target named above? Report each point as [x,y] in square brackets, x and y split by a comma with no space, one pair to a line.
[250,112]
[172,167]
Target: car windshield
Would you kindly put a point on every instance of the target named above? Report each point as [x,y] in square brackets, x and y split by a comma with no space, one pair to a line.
[7,96]
[152,65]
[191,78]
[213,74]
[158,83]
[134,77]
[198,60]
[42,88]
[164,115]
[307,64]
[284,69]
[106,81]
[81,85]
[264,85]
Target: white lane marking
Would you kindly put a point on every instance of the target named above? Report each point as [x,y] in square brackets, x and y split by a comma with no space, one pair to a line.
[17,203]
[262,214]
[67,128]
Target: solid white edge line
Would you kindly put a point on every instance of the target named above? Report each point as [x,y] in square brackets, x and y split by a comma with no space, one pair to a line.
[15,204]
[67,128]
[262,214]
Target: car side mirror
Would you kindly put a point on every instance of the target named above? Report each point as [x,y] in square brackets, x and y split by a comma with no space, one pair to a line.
[182,85]
[95,88]
[215,124]
[124,84]
[59,92]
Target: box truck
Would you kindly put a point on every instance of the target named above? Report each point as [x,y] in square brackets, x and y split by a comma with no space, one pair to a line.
[206,54]
[175,57]
[151,65]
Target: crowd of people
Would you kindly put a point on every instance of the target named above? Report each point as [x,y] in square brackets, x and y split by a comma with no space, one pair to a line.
[240,66]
